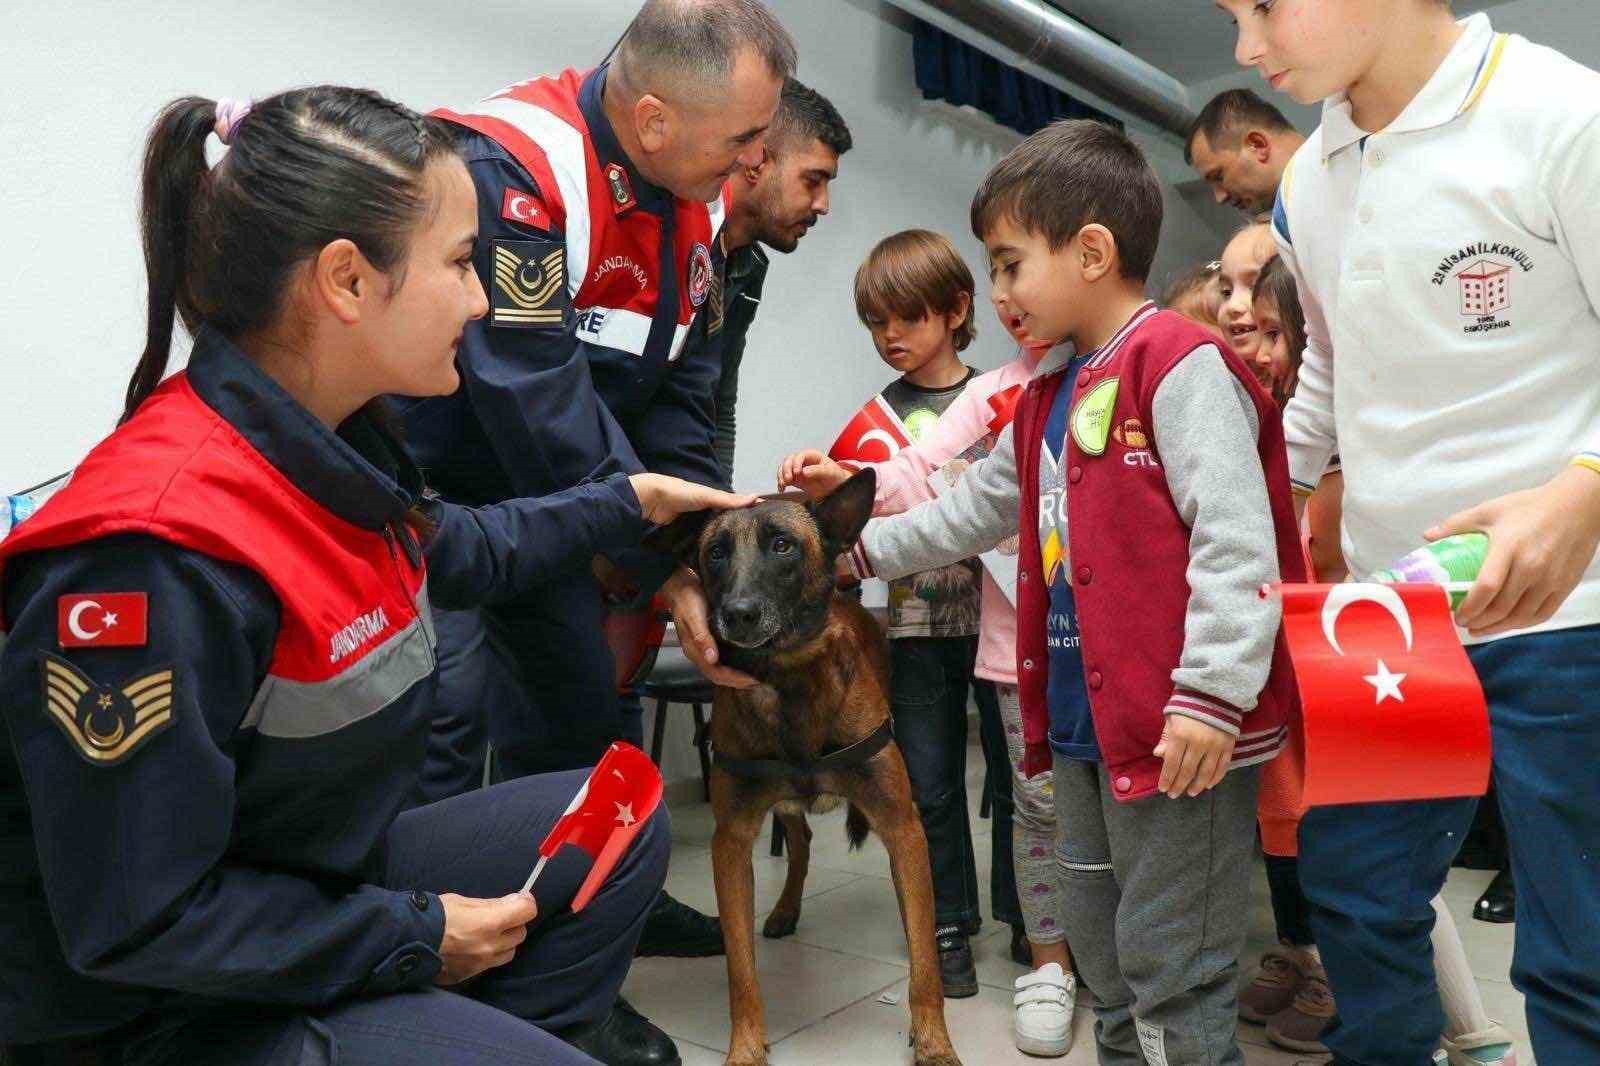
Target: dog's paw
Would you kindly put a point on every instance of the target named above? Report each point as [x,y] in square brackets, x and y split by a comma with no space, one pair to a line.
[945,1057]
[746,1058]
[780,924]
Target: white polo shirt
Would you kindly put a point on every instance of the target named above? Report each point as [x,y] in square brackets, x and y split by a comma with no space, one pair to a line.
[1449,266]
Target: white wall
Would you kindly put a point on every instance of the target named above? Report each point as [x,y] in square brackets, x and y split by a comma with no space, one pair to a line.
[83,80]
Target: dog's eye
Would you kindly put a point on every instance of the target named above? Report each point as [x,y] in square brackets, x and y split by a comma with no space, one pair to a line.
[782,545]
[716,553]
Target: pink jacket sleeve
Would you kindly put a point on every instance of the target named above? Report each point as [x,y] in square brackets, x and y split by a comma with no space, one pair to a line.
[903,480]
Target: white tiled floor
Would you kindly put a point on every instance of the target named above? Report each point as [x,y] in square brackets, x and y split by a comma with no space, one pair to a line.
[826,987]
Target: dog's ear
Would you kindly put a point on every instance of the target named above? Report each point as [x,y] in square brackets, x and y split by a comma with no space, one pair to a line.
[680,538]
[843,513]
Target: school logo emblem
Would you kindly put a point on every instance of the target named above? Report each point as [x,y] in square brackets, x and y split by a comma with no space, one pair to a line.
[530,284]
[699,275]
[107,724]
[1483,274]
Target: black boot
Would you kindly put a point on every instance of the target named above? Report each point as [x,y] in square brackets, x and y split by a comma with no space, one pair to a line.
[1021,953]
[677,930]
[624,1038]
[1498,903]
[956,968]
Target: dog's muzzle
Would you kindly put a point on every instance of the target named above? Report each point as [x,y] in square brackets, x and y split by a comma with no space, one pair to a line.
[745,622]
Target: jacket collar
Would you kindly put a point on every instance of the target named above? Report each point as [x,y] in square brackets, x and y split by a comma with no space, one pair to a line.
[361,474]
[613,160]
[1452,91]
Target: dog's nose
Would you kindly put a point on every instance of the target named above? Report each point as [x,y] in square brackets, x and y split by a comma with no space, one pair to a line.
[740,614]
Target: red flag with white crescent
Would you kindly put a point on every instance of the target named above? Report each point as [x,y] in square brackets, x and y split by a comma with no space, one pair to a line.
[622,792]
[874,434]
[1391,706]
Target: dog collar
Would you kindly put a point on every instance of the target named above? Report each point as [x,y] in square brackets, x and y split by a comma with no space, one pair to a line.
[845,758]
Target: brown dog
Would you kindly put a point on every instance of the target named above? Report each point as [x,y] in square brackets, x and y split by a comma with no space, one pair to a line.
[813,733]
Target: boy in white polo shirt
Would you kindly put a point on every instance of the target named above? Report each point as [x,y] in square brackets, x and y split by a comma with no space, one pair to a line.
[1443,228]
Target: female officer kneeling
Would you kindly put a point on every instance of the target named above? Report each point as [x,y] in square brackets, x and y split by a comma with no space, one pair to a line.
[218,665]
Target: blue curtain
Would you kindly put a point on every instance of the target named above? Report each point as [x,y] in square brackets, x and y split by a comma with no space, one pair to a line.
[952,70]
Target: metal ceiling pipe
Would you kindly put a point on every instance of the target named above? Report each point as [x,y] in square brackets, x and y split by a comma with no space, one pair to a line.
[1062,52]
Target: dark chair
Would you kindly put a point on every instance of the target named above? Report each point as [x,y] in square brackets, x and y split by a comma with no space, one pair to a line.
[674,679]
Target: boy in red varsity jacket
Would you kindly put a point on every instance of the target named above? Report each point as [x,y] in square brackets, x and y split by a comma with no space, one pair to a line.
[1146,477]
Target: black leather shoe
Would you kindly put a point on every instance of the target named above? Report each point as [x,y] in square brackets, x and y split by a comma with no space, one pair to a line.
[956,968]
[624,1038]
[1498,903]
[1021,953]
[679,931]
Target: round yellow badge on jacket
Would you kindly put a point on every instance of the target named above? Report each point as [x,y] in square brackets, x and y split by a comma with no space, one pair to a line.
[1091,418]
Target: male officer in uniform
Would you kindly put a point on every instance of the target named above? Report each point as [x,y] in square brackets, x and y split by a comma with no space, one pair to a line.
[773,204]
[599,208]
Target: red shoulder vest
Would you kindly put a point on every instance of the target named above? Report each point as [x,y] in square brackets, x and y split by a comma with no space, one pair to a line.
[611,253]
[354,618]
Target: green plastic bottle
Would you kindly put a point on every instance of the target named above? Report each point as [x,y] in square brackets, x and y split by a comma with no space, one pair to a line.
[1453,562]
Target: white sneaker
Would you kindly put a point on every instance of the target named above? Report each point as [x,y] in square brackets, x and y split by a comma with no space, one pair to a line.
[1044,1002]
[1490,1047]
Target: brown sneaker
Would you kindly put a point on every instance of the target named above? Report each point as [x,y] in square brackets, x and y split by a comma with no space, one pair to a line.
[1300,1027]
[1273,987]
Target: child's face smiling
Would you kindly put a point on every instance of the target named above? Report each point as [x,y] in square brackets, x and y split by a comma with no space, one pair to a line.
[1242,261]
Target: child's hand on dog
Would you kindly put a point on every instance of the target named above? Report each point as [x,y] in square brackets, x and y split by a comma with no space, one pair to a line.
[812,473]
[1194,756]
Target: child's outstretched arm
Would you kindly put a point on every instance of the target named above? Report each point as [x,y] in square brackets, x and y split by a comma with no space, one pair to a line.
[902,480]
[979,511]
[1205,430]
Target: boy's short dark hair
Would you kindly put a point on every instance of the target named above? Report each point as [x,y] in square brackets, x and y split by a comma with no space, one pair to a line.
[1072,173]
[912,274]
[1225,118]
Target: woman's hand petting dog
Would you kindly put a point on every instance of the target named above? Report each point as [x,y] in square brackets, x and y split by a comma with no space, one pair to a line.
[692,618]
[663,498]
[480,934]
[812,473]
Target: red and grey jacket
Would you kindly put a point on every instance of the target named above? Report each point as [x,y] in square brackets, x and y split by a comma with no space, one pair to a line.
[595,278]
[1130,551]
[217,678]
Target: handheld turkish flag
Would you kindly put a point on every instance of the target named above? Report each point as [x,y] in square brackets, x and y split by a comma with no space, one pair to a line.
[1391,707]
[621,794]
[1004,404]
[874,434]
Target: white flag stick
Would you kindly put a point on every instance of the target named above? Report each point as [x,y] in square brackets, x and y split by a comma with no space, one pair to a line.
[537,870]
[1451,587]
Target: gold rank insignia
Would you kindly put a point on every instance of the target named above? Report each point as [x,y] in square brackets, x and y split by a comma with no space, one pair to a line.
[530,284]
[107,725]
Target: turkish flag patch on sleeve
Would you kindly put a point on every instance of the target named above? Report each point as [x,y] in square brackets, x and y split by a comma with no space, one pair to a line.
[103,620]
[524,209]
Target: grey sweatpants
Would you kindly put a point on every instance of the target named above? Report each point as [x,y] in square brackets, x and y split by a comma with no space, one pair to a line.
[1158,893]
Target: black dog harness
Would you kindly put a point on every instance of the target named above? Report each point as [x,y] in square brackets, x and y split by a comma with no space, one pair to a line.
[843,759]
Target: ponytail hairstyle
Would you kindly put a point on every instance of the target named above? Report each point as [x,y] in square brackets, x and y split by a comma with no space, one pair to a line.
[303,168]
